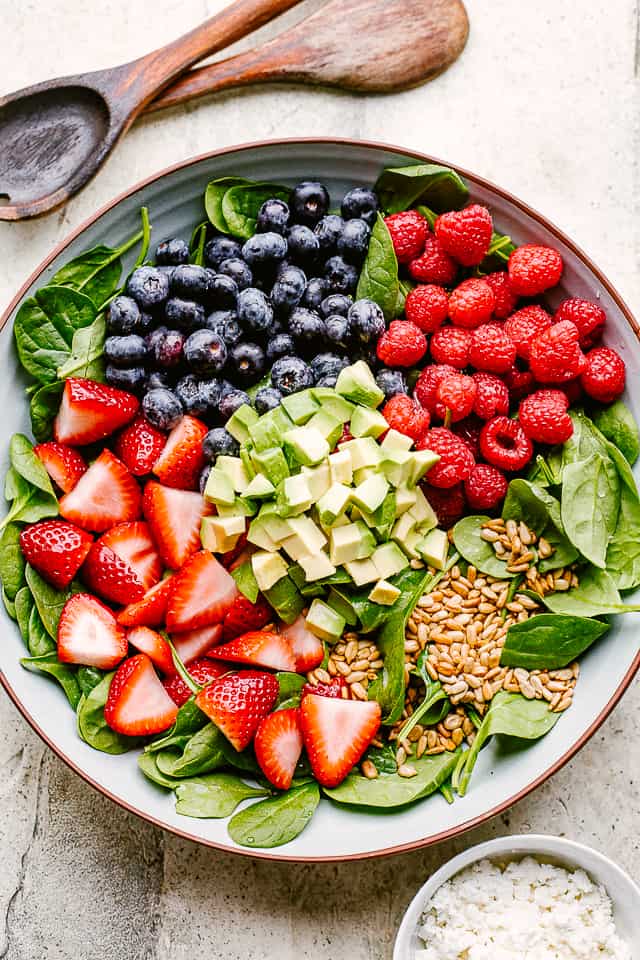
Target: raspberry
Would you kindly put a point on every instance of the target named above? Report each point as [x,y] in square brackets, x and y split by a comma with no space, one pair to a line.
[492,396]
[588,317]
[491,349]
[408,231]
[402,345]
[426,388]
[534,269]
[456,394]
[449,505]
[456,460]
[433,265]
[555,355]
[486,487]
[427,306]
[469,431]
[525,324]
[471,303]
[406,415]
[451,345]
[465,234]
[506,300]
[544,418]
[518,382]
[604,376]
[504,444]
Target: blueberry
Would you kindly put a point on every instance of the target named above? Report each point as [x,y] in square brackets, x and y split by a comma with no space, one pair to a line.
[156,336]
[327,365]
[166,271]
[367,320]
[146,324]
[204,476]
[273,216]
[225,324]
[219,249]
[218,442]
[328,232]
[354,242]
[307,329]
[267,398]
[190,282]
[264,249]
[222,291]
[148,287]
[190,396]
[341,277]
[255,313]
[238,270]
[157,378]
[391,382]
[338,330]
[308,202]
[336,303]
[167,348]
[162,408]
[316,291]
[291,374]
[226,388]
[362,203]
[247,359]
[281,345]
[329,381]
[231,401]
[288,289]
[132,379]
[172,252]
[123,315]
[129,351]
[303,245]
[205,352]
[210,392]
[184,314]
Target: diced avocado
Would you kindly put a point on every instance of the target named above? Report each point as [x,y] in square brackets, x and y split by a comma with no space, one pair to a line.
[276,526]
[421,462]
[423,511]
[363,473]
[267,431]
[305,445]
[219,488]
[306,538]
[324,621]
[403,526]
[247,462]
[328,425]
[394,440]
[286,599]
[389,559]
[364,452]
[272,463]
[362,571]
[384,514]
[342,606]
[220,534]
[434,548]
[366,422]
[258,535]
[340,466]
[333,403]
[316,566]
[234,469]
[241,507]
[411,543]
[369,494]
[301,406]
[352,542]
[268,568]
[333,503]
[383,532]
[398,467]
[357,383]
[318,478]
[405,499]
[384,593]
[355,513]
[294,496]
[260,487]
[240,421]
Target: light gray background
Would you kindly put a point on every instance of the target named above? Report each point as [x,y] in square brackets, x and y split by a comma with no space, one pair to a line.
[545,102]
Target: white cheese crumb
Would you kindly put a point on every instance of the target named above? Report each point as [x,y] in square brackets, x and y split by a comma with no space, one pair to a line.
[528,911]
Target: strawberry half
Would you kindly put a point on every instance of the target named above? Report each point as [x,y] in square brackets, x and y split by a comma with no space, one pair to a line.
[202,593]
[174,517]
[278,745]
[151,610]
[90,411]
[64,465]
[336,733]
[244,615]
[154,645]
[307,648]
[139,445]
[105,495]
[203,672]
[137,704]
[56,549]
[181,462]
[133,543]
[260,648]
[88,633]
[110,577]
[238,702]
[191,644]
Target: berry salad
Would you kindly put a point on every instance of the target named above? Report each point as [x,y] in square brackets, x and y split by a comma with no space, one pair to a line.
[319,499]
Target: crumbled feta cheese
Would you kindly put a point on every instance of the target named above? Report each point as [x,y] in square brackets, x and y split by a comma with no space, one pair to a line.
[528,911]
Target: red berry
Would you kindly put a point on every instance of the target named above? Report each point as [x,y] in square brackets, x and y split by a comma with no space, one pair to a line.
[506,299]
[469,431]
[555,355]
[525,324]
[518,382]
[544,418]
[139,446]
[491,349]
[406,415]
[433,265]
[534,269]
[402,345]
[604,376]
[332,689]
[456,460]
[492,396]
[408,231]
[572,390]
[588,317]
[457,393]
[450,345]
[427,306]
[486,487]
[449,505]
[504,444]
[426,389]
[471,303]
[465,234]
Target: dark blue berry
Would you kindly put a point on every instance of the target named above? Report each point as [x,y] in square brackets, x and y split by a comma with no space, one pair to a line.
[273,216]
[184,314]
[146,324]
[316,291]
[361,202]
[238,270]
[288,289]
[327,365]
[162,408]
[219,249]
[267,398]
[211,391]
[218,442]
[255,313]
[391,382]
[354,242]
[329,381]
[132,379]
[190,396]
[308,202]
[226,388]
[167,348]
[232,332]
[264,250]
[341,277]
[338,330]
[205,352]
[204,476]
[247,359]
[281,345]
[166,271]
[367,321]
[172,252]
[149,287]
[123,316]
[231,401]
[158,378]
[328,232]
[129,351]
[190,282]
[335,303]
[303,245]
[307,329]
[222,291]
[291,374]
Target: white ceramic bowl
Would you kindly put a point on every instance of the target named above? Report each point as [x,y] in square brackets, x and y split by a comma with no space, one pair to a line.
[623,892]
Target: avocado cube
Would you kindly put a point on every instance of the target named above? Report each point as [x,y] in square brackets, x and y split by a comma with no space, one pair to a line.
[294,496]
[305,446]
[363,473]
[364,452]
[333,403]
[260,488]
[326,424]
[221,534]
[351,542]
[402,528]
[411,543]
[384,593]
[340,466]
[333,503]
[366,422]
[234,469]
[405,499]
[219,488]
[369,494]
[389,559]
[259,535]
[272,462]
[301,406]
[276,526]
[286,599]
[398,467]
[358,384]
[306,538]
[318,478]
[394,440]
[423,512]
[241,507]
[325,622]
[316,567]
[247,462]
[385,514]
[342,606]
[265,433]
[240,421]
[434,548]
[362,571]
[268,568]
[421,462]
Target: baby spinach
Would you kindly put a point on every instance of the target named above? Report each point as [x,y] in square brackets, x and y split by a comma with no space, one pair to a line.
[379,275]
[44,329]
[25,462]
[214,193]
[383,758]
[39,643]
[270,823]
[49,664]
[475,550]
[623,552]
[240,760]
[23,607]
[435,702]
[440,188]
[87,352]
[43,408]
[447,792]
[49,600]
[9,605]
[241,204]
[549,641]
[92,726]
[190,719]
[500,249]
[590,505]
[27,485]
[214,796]
[246,581]
[88,678]
[201,754]
[148,765]
[291,685]
[197,242]
[618,425]
[391,790]
[595,596]
[12,562]
[541,512]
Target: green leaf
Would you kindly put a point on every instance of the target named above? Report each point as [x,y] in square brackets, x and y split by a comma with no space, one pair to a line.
[197,242]
[241,204]
[43,408]
[435,702]
[241,760]
[291,685]
[25,462]
[95,273]
[40,643]
[595,596]
[201,754]
[549,641]
[440,188]
[214,796]
[590,505]
[213,195]
[623,552]
[9,605]
[49,600]
[391,790]
[88,678]
[475,550]
[379,275]
[190,719]
[148,765]
[617,424]
[273,822]
[92,726]
[23,606]
[61,672]
[246,581]
[12,562]
[30,504]
[383,758]
[541,512]
[500,249]
[44,329]
[87,352]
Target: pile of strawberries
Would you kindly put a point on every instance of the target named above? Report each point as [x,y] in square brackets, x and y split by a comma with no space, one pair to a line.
[488,351]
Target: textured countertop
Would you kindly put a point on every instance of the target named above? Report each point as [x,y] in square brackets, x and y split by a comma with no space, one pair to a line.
[545,102]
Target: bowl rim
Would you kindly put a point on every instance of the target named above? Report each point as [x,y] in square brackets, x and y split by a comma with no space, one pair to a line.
[462,827]
[525,844]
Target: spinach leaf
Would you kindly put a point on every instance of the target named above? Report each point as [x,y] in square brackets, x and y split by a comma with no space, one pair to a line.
[213,195]
[43,408]
[92,726]
[241,204]
[88,678]
[390,790]
[148,765]
[87,352]
[12,562]
[40,643]
[500,249]
[246,581]
[549,641]
[49,664]
[25,462]
[44,329]
[197,242]
[623,552]
[49,600]
[201,754]
[379,275]
[541,512]
[9,605]
[27,485]
[590,505]
[595,596]
[190,719]
[241,760]
[447,791]
[216,795]
[291,685]
[270,823]
[475,550]
[618,425]
[96,272]
[438,187]
[383,758]
[430,216]
[434,704]
[23,607]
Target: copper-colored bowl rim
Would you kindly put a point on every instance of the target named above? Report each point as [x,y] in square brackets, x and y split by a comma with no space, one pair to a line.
[622,687]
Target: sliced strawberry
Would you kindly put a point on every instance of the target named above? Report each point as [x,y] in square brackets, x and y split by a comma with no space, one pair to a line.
[203,672]
[151,610]
[202,593]
[105,495]
[174,517]
[154,645]
[244,616]
[332,689]
[56,549]
[137,704]
[307,648]
[336,734]
[139,445]
[106,574]
[191,644]
[90,411]
[260,648]
[64,465]
[181,462]
[278,745]
[88,633]
[133,543]
[238,702]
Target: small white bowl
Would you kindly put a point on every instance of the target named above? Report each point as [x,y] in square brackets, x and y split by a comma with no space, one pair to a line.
[623,892]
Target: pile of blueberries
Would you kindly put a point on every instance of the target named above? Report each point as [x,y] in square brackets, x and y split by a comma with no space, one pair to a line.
[193,339]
